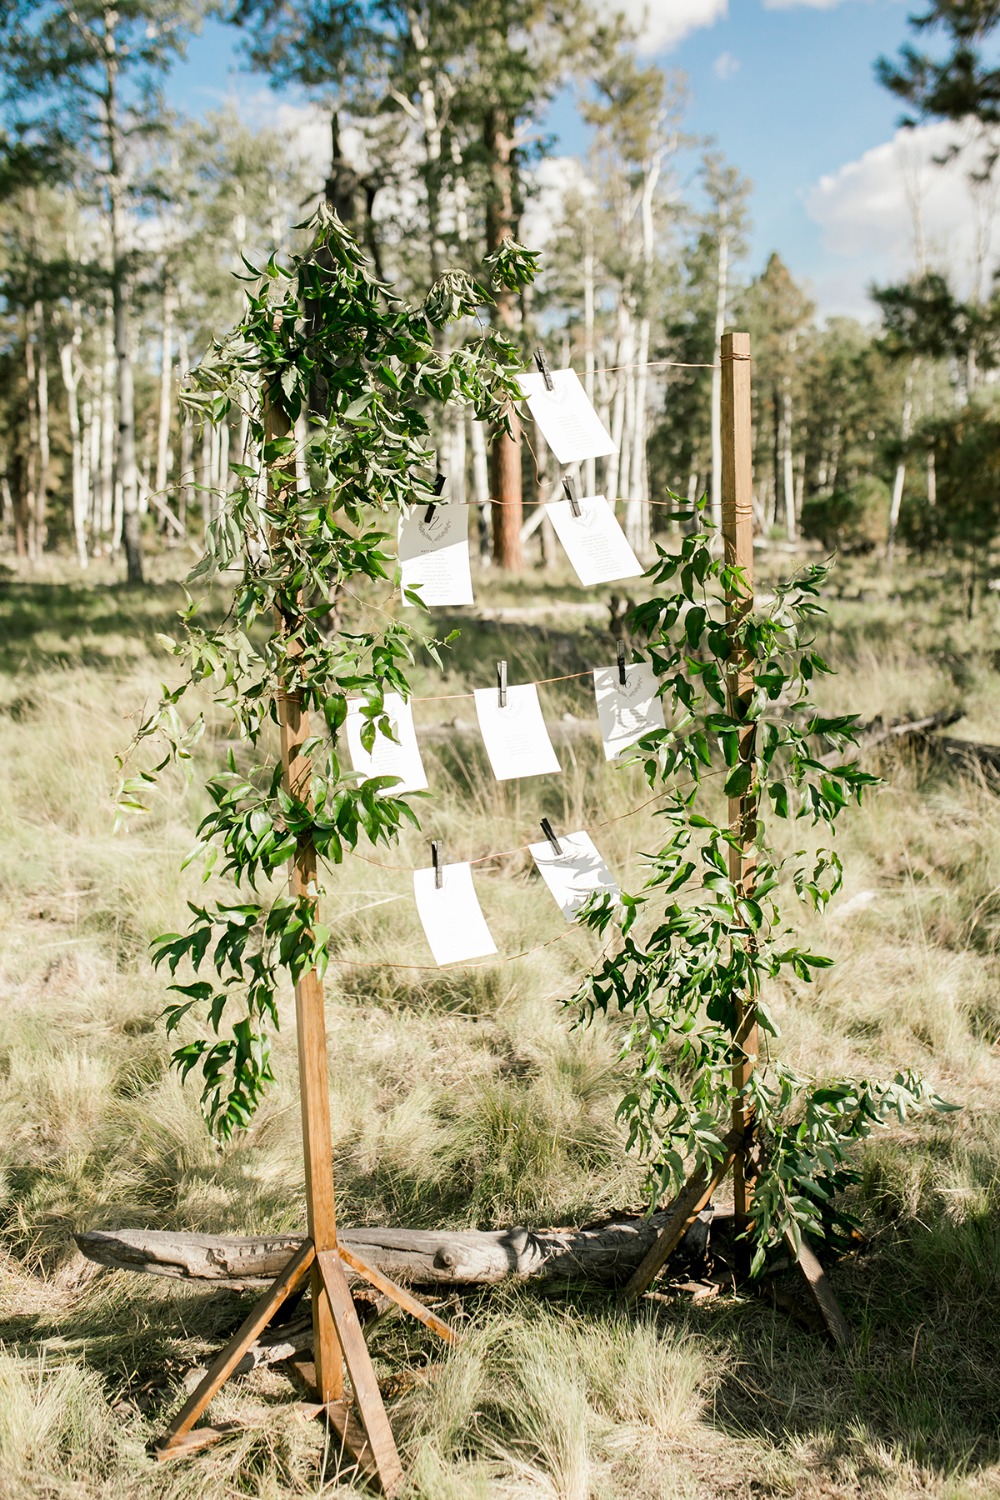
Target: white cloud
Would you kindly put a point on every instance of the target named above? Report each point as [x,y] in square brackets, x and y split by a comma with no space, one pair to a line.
[806,4]
[726,66]
[664,23]
[894,209]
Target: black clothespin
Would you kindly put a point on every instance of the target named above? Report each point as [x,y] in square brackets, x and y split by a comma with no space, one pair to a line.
[569,487]
[543,369]
[501,684]
[622,676]
[547,830]
[440,480]
[436,860]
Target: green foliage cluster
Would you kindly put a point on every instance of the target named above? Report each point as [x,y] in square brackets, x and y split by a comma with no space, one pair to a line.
[699,941]
[324,327]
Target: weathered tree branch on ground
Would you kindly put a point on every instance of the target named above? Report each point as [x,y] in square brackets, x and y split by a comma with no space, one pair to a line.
[605,1254]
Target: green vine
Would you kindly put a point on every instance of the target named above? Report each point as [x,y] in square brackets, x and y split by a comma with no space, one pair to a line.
[698,945]
[321,336]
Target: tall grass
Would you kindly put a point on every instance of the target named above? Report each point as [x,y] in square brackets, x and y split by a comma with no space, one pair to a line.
[463,1097]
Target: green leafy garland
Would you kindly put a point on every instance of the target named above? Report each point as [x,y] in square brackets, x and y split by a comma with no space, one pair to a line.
[322,334]
[695,947]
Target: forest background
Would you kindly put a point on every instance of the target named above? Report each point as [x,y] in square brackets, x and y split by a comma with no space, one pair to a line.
[123,223]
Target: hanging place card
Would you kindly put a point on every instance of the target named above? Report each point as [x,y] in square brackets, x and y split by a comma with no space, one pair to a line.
[595,543]
[516,739]
[451,916]
[434,554]
[626,710]
[399,757]
[566,417]
[575,874]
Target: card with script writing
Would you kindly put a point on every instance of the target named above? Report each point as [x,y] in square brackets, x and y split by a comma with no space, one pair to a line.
[516,739]
[575,874]
[434,554]
[399,757]
[566,416]
[626,710]
[452,918]
[595,543]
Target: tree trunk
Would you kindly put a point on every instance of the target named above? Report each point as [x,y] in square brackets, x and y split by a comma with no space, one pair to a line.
[481,486]
[127,476]
[787,464]
[166,393]
[505,458]
[590,464]
[30,487]
[41,489]
[896,503]
[623,357]
[606,1254]
[186,438]
[71,380]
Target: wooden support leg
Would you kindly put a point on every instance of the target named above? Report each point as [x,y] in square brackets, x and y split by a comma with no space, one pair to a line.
[822,1293]
[228,1358]
[399,1294]
[688,1205]
[359,1366]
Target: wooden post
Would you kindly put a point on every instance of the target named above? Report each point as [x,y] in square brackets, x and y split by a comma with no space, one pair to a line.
[737,533]
[314,1087]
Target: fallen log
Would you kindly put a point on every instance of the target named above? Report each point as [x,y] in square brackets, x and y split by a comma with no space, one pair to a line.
[606,1254]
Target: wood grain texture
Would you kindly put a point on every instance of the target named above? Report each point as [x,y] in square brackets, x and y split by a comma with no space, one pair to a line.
[606,1254]
[367,1395]
[737,532]
[227,1359]
[314,1087]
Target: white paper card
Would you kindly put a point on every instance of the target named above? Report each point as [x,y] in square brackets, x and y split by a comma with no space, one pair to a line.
[452,918]
[566,416]
[626,711]
[595,543]
[388,758]
[516,739]
[574,874]
[434,554]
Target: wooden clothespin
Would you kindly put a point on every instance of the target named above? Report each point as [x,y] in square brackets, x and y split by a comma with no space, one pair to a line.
[440,481]
[501,684]
[547,830]
[569,487]
[436,861]
[622,674]
[543,369]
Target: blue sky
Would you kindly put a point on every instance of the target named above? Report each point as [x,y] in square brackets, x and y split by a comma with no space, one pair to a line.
[787,87]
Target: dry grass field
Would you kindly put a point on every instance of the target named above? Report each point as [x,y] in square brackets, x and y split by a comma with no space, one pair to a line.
[465,1098]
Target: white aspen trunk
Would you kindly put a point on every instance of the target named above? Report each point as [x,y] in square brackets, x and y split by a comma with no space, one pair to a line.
[186,455]
[635,527]
[205,474]
[41,493]
[787,465]
[931,479]
[721,300]
[31,458]
[590,464]
[87,470]
[222,478]
[457,461]
[166,393]
[71,381]
[896,503]
[623,356]
[481,486]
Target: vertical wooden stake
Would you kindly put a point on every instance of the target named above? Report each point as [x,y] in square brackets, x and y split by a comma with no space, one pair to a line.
[310,1021]
[737,532]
